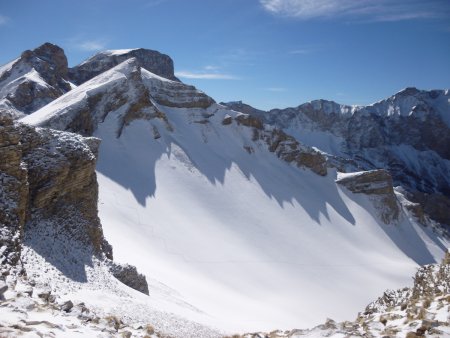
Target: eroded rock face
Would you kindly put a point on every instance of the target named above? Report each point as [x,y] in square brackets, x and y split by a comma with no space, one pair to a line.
[153,61]
[36,78]
[13,194]
[44,173]
[49,189]
[290,150]
[376,183]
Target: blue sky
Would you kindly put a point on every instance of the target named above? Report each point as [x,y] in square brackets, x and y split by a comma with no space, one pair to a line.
[268,53]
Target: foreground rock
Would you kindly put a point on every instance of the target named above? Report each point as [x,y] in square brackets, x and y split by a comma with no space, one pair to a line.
[22,314]
[49,199]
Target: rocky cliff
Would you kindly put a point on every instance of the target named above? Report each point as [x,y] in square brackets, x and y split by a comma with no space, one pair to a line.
[49,195]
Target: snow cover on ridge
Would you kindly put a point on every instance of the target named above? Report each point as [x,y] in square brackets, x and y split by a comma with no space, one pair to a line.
[62,106]
[215,220]
[109,52]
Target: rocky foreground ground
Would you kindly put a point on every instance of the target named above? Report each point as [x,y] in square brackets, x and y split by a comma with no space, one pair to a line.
[423,310]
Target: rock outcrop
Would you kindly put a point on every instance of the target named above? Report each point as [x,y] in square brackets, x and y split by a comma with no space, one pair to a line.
[129,276]
[286,147]
[49,189]
[290,150]
[376,183]
[153,61]
[36,78]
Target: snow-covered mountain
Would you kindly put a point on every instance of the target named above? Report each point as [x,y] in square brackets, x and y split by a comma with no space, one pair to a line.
[407,134]
[34,79]
[41,75]
[240,220]
[237,218]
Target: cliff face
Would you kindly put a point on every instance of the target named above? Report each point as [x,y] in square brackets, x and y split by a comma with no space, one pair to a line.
[49,194]
[47,174]
[13,192]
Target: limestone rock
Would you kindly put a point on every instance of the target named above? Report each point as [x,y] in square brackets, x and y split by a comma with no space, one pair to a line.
[249,121]
[375,183]
[290,150]
[227,120]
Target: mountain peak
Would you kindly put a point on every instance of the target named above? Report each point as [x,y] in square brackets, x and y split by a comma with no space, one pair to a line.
[49,53]
[34,79]
[408,91]
[151,60]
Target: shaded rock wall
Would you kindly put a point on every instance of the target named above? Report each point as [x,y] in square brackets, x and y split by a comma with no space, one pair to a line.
[49,183]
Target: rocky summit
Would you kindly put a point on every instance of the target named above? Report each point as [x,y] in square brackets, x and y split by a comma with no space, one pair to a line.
[151,60]
[34,79]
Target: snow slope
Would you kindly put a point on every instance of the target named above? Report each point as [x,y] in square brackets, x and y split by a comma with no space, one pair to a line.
[243,239]
[248,239]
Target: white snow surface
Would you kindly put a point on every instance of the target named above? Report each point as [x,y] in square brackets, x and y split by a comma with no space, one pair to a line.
[118,51]
[253,242]
[236,240]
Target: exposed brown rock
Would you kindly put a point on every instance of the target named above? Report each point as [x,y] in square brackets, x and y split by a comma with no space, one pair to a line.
[249,121]
[227,120]
[375,183]
[290,150]
[48,180]
[13,194]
